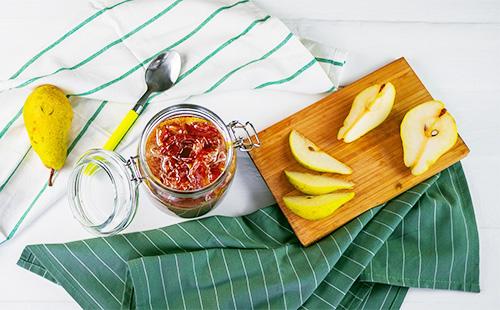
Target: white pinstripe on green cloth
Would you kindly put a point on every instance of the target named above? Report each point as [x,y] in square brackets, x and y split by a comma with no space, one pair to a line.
[272,263]
[214,265]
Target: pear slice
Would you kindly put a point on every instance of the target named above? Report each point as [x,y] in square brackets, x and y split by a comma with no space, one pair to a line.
[427,132]
[369,109]
[316,207]
[311,156]
[313,184]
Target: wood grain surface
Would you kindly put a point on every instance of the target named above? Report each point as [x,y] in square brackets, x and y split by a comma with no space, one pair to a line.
[376,158]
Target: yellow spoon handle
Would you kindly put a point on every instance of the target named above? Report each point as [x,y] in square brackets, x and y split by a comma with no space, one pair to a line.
[121,130]
[115,138]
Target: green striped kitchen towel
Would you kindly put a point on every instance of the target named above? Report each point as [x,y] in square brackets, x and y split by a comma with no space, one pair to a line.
[426,237]
[226,45]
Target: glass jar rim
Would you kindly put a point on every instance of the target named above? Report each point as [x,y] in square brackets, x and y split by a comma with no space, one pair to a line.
[179,110]
[120,176]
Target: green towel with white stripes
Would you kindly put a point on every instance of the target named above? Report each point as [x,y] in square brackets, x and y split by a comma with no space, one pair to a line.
[426,237]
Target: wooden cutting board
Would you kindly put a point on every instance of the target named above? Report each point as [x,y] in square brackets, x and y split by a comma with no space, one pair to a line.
[376,158]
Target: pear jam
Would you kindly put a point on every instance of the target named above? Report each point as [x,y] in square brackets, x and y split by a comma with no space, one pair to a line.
[186,160]
[186,153]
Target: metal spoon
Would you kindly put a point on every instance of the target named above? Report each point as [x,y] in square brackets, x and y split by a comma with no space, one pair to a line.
[161,74]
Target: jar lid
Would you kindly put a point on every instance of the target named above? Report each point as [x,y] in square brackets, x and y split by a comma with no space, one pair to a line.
[103,192]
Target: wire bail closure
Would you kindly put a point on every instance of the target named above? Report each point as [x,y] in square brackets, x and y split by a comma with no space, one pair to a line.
[244,136]
[132,164]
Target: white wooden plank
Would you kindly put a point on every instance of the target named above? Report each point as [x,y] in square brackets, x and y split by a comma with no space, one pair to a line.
[448,56]
[51,305]
[452,44]
[442,11]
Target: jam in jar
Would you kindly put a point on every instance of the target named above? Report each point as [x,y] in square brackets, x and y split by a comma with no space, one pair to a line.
[186,153]
[186,158]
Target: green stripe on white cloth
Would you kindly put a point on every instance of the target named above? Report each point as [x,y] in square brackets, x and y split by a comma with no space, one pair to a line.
[226,46]
[150,58]
[105,48]
[289,78]
[66,35]
[82,132]
[266,55]
[330,61]
[211,52]
[255,261]
[48,48]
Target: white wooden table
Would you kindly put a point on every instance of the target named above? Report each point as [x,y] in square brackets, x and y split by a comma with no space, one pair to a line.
[454,46]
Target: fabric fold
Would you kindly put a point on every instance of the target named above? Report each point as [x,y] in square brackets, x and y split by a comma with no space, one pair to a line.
[255,261]
[426,237]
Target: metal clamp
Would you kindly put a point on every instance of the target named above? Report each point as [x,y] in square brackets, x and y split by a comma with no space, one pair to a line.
[134,169]
[249,138]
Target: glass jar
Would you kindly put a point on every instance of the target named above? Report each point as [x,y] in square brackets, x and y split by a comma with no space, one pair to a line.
[103,187]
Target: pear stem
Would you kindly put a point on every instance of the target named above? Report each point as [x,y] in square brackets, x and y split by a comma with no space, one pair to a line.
[51,176]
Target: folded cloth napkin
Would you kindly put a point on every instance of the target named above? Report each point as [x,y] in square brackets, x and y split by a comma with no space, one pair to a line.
[426,237]
[222,262]
[226,45]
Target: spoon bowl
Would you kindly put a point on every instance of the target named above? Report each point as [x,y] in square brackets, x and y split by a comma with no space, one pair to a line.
[163,71]
[161,74]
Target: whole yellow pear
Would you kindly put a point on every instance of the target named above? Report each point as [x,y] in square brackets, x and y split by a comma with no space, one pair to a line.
[47,117]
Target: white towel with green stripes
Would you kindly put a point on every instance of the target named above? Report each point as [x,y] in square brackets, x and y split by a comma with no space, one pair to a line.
[426,237]
[226,46]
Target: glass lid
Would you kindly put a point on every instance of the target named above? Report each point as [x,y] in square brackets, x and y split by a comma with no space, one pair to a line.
[103,192]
